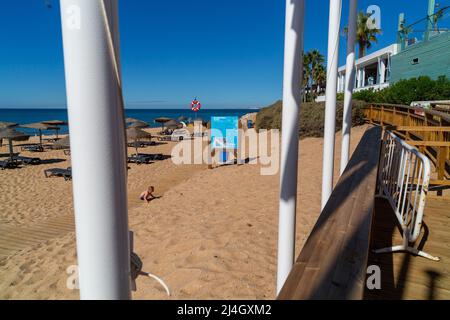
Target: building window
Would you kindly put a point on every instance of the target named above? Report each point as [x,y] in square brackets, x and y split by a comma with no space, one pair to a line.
[415,61]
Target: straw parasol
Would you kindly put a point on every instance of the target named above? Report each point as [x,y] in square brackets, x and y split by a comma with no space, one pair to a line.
[136,134]
[40,126]
[138,124]
[131,120]
[64,143]
[162,121]
[4,125]
[173,124]
[56,124]
[13,135]
[183,119]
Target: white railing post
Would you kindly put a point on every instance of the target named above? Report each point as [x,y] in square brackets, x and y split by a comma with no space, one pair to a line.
[330,106]
[292,79]
[349,84]
[97,136]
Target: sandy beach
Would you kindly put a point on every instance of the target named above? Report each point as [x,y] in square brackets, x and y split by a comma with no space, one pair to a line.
[212,234]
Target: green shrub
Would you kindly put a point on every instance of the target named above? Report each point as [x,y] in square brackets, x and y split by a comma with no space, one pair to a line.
[366,95]
[312,117]
[406,91]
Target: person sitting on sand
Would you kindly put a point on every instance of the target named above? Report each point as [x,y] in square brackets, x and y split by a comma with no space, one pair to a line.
[148,194]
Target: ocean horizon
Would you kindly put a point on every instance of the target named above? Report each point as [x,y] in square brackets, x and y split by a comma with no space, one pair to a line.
[33,115]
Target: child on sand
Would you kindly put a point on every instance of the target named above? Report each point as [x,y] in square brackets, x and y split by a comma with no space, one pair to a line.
[148,194]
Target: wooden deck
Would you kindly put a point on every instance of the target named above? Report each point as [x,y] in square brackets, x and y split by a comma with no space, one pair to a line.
[403,275]
[334,260]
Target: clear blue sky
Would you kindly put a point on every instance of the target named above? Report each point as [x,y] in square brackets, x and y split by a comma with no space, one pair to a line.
[228,53]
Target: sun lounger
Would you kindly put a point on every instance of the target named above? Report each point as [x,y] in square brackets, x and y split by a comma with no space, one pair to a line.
[139,159]
[67,152]
[141,144]
[7,164]
[33,148]
[152,157]
[148,143]
[27,160]
[167,138]
[65,173]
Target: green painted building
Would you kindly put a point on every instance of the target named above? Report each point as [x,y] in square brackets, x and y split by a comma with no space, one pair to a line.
[427,58]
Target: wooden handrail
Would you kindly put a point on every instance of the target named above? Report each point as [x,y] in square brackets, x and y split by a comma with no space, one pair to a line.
[333,262]
[419,128]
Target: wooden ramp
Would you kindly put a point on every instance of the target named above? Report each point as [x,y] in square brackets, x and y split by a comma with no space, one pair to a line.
[17,238]
[332,264]
[404,276]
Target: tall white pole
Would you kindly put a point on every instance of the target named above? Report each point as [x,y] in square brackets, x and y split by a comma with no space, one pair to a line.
[90,37]
[292,80]
[349,84]
[331,93]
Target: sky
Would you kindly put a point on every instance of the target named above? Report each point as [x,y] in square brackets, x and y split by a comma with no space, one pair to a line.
[229,53]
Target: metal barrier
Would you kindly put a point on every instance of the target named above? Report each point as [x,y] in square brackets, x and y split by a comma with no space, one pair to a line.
[403,179]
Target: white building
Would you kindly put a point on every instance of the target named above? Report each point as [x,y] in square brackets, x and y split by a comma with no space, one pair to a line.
[372,71]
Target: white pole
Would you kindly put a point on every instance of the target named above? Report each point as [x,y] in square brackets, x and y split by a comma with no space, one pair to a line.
[349,84]
[292,79]
[98,147]
[331,92]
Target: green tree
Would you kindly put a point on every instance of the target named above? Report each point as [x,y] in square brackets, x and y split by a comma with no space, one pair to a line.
[365,35]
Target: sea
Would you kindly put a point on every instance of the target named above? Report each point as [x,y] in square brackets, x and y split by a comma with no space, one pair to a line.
[27,116]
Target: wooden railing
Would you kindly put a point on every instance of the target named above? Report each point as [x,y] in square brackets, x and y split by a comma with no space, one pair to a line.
[428,130]
[333,261]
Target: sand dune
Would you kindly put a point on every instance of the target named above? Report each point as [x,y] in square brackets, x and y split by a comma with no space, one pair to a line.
[212,234]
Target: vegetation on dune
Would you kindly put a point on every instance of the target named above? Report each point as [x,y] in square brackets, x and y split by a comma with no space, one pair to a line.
[311,120]
[407,91]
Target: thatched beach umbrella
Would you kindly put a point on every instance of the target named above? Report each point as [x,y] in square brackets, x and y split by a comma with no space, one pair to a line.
[40,126]
[183,119]
[136,134]
[56,124]
[131,120]
[139,124]
[4,125]
[13,135]
[162,121]
[64,143]
[173,124]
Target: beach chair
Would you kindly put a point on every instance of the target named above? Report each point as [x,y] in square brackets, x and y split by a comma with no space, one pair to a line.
[166,138]
[27,160]
[33,148]
[152,157]
[148,143]
[67,152]
[7,164]
[139,159]
[57,172]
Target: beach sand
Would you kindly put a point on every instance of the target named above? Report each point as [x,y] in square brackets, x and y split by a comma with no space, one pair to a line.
[211,235]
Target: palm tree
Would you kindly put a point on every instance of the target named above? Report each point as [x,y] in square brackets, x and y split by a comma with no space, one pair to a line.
[320,77]
[317,60]
[312,63]
[306,74]
[365,35]
[438,16]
